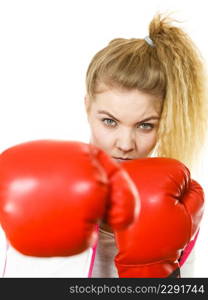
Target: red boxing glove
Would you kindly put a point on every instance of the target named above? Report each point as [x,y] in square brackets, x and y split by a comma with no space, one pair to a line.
[171,210]
[53,193]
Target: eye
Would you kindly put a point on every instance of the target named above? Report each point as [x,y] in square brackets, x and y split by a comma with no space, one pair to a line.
[146,126]
[109,122]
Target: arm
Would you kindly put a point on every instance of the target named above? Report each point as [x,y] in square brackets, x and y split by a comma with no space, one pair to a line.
[187,258]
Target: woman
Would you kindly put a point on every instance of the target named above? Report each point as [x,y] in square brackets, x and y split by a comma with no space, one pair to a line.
[146,97]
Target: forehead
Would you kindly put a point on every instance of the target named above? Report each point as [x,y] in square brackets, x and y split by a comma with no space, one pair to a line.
[128,104]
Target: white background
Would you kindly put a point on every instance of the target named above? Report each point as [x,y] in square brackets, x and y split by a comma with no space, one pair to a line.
[45,49]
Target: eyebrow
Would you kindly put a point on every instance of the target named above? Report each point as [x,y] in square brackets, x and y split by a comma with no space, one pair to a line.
[111,116]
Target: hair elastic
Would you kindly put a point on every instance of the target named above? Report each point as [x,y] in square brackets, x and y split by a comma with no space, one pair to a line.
[149,41]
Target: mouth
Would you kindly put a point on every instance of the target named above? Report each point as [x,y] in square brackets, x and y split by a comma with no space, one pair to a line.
[120,159]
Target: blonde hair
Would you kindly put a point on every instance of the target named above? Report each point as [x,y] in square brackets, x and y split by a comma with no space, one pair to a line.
[172,70]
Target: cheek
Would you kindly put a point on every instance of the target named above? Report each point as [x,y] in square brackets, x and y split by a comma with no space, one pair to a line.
[101,137]
[146,143]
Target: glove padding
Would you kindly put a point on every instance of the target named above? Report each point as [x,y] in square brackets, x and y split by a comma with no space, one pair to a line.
[171,210]
[54,193]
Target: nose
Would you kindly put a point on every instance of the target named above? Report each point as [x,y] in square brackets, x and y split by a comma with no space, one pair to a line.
[125,142]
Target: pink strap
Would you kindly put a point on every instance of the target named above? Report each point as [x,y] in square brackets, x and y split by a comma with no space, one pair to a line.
[187,250]
[93,256]
[5,262]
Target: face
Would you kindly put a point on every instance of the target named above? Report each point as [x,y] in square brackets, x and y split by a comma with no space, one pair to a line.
[124,123]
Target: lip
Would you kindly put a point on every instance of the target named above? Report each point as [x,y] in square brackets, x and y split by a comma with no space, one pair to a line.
[121,158]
